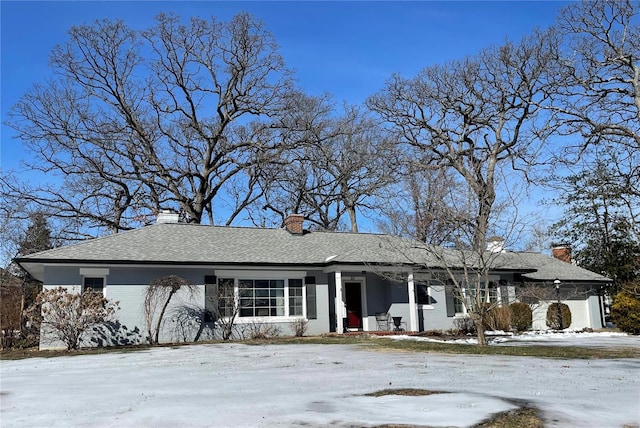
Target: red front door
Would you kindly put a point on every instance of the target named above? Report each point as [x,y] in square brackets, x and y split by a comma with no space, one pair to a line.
[353,295]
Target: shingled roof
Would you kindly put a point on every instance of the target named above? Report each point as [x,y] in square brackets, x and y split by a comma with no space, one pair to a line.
[202,244]
[193,244]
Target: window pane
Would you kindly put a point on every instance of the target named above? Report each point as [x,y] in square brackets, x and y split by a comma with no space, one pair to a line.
[295,297]
[261,283]
[94,284]
[262,297]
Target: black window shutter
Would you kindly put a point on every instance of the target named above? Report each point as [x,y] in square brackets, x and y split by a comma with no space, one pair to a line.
[448,294]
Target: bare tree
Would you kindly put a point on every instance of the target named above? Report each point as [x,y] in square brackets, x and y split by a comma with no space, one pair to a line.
[334,166]
[474,116]
[135,121]
[477,117]
[67,316]
[426,204]
[595,101]
[225,306]
[157,297]
[597,74]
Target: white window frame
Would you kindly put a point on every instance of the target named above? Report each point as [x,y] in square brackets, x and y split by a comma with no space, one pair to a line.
[94,273]
[238,275]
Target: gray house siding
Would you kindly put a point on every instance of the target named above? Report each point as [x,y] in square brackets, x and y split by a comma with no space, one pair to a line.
[321,324]
[184,315]
[434,316]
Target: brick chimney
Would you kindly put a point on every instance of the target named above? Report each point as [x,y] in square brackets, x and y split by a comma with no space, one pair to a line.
[293,223]
[562,252]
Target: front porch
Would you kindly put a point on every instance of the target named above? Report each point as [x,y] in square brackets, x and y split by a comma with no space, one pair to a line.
[360,299]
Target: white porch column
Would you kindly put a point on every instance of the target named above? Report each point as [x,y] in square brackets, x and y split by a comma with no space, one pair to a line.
[413,308]
[339,302]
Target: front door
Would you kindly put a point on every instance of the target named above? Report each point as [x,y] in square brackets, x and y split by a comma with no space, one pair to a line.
[353,301]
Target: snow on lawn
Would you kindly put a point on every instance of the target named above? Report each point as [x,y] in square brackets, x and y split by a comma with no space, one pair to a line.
[236,385]
[546,338]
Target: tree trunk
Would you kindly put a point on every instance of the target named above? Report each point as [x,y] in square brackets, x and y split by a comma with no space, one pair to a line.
[486,198]
[352,217]
[164,308]
[482,339]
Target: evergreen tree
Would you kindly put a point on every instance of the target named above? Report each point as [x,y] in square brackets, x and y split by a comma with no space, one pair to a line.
[37,236]
[596,223]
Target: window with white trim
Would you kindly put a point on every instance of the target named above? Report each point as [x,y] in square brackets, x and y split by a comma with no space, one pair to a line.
[423,295]
[261,297]
[93,284]
[295,297]
[225,296]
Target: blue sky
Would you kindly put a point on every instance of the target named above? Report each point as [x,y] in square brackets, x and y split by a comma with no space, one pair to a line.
[347,49]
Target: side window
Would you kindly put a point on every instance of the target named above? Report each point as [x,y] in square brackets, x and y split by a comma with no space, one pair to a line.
[295,297]
[95,285]
[451,299]
[422,294]
[224,294]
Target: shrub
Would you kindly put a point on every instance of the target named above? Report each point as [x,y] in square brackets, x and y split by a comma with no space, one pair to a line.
[521,316]
[552,316]
[625,313]
[67,316]
[464,325]
[498,318]
[261,331]
[299,327]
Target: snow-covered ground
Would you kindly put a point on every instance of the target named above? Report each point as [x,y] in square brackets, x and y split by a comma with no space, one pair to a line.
[546,338]
[237,385]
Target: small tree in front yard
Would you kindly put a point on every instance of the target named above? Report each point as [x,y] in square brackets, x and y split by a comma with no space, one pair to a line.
[158,294]
[66,316]
[225,305]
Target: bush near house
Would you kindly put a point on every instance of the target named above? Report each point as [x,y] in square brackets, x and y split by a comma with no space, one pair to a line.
[521,316]
[463,326]
[552,316]
[66,316]
[625,312]
[498,318]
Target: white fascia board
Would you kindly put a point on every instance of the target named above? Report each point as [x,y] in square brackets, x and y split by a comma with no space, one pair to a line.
[260,274]
[364,268]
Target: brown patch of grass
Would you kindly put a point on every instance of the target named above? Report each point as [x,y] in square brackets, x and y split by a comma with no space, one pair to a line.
[22,353]
[559,352]
[525,417]
[366,341]
[409,392]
